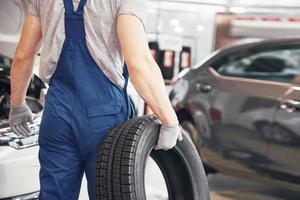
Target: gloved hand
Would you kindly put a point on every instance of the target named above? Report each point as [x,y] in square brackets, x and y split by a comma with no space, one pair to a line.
[18,118]
[168,137]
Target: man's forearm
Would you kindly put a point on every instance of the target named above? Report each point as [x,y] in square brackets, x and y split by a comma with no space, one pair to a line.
[21,73]
[144,72]
[148,81]
[22,66]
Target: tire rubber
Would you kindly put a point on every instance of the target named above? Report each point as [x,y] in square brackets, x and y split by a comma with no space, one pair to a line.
[120,165]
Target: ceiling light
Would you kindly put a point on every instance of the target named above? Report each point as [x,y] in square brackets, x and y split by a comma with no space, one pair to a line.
[238,10]
[200,28]
[178,29]
[174,22]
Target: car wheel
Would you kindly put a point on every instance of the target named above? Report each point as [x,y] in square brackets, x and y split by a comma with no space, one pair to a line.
[121,163]
[190,128]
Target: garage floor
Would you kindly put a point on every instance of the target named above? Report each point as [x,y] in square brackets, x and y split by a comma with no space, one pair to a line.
[222,188]
[230,188]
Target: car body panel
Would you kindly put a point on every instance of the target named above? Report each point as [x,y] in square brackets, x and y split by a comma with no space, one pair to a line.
[236,117]
[233,129]
[17,167]
[284,148]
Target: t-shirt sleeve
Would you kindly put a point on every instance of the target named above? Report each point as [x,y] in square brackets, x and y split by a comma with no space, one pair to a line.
[137,8]
[34,8]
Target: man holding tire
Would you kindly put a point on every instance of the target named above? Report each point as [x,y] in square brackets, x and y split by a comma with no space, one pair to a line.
[84,46]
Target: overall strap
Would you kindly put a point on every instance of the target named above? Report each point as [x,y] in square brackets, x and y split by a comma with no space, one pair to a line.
[81,6]
[69,7]
[125,75]
[74,22]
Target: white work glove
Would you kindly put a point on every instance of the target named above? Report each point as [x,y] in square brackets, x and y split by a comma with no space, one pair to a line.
[168,137]
[18,118]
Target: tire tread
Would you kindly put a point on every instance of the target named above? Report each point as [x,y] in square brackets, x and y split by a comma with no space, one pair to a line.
[114,173]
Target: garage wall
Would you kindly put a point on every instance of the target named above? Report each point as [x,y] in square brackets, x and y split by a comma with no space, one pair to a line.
[197,24]
[191,23]
[11,20]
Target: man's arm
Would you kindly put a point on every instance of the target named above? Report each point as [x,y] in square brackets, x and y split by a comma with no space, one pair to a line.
[21,72]
[22,66]
[144,73]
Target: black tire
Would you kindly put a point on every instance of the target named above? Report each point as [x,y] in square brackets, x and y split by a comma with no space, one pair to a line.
[120,166]
[190,128]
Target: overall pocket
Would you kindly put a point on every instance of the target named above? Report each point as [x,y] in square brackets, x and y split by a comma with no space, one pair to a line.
[103,117]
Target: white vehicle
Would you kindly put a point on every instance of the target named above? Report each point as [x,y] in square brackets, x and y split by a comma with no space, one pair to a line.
[19,166]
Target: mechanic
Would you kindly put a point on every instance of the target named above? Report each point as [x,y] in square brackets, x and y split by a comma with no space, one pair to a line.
[84,47]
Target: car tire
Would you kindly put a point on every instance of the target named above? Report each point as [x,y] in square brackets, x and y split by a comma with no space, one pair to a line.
[120,166]
[191,129]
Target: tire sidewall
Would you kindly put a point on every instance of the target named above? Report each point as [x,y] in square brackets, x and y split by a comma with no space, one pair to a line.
[185,149]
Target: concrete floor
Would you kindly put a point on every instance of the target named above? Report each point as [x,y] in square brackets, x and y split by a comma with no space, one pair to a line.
[222,188]
[232,188]
[156,187]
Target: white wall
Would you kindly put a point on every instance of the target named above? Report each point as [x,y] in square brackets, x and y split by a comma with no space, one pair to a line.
[11,21]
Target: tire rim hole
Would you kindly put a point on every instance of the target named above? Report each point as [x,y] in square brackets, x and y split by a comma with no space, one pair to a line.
[155,184]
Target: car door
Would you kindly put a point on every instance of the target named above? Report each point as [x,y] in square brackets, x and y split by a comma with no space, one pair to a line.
[248,85]
[284,139]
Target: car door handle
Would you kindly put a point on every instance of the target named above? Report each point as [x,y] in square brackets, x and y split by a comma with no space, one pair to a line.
[204,88]
[290,105]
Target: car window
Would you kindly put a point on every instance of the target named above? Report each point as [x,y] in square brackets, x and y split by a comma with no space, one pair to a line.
[281,65]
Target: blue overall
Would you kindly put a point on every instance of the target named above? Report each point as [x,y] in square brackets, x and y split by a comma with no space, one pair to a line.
[82,106]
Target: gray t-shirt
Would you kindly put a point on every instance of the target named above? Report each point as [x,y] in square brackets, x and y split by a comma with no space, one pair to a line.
[101,33]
